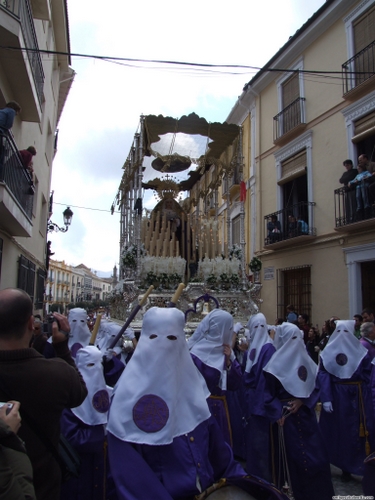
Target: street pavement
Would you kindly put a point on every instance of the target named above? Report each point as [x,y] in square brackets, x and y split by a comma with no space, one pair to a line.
[353,487]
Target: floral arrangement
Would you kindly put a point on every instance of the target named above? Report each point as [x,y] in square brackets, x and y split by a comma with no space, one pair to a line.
[219,273]
[129,255]
[162,272]
[235,252]
[255,265]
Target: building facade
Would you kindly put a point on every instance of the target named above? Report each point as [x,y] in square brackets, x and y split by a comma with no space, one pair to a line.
[310,108]
[40,84]
[74,284]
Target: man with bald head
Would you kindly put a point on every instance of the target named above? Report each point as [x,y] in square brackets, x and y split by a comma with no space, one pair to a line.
[44,387]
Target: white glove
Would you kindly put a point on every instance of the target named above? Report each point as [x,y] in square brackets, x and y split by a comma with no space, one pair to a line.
[328,407]
[109,353]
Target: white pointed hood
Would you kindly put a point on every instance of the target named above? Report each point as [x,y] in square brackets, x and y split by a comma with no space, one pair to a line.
[344,352]
[161,394]
[291,364]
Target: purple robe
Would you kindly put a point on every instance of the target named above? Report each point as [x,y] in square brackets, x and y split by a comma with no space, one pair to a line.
[112,370]
[306,452]
[217,401]
[341,428]
[90,443]
[258,426]
[169,472]
[369,346]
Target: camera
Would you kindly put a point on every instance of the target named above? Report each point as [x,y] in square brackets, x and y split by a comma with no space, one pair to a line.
[47,326]
[9,405]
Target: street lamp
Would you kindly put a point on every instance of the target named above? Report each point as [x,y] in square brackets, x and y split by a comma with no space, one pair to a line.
[68,215]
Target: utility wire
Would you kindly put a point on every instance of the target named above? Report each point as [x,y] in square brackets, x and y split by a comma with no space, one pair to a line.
[180,63]
[87,208]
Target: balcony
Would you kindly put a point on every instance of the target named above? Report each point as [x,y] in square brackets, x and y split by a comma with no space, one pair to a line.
[347,219]
[16,192]
[23,69]
[290,121]
[294,226]
[358,73]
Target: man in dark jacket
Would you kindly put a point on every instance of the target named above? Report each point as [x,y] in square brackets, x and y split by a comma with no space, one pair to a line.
[44,387]
[350,205]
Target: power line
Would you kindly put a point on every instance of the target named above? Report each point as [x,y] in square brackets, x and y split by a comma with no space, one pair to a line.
[87,208]
[180,63]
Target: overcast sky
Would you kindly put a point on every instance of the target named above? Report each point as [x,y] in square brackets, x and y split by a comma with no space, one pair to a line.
[106,100]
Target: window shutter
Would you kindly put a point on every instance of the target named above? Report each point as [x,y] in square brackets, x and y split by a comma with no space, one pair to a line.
[290,90]
[293,167]
[364,30]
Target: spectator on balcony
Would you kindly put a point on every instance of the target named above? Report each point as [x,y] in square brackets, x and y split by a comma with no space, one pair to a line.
[274,229]
[350,202]
[302,227]
[292,226]
[27,158]
[7,116]
[370,166]
[361,192]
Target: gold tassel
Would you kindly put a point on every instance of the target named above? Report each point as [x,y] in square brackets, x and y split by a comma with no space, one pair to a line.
[361,430]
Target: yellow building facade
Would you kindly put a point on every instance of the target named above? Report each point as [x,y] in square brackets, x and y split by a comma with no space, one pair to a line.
[310,108]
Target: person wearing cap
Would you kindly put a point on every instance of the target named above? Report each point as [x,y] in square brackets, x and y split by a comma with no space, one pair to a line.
[344,375]
[290,398]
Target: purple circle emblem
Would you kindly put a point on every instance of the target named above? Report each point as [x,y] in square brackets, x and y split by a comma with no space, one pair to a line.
[75,347]
[150,413]
[302,373]
[341,359]
[252,354]
[100,401]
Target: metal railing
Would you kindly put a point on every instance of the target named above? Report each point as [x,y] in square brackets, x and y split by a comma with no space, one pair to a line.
[291,222]
[346,207]
[21,9]
[359,68]
[289,118]
[14,174]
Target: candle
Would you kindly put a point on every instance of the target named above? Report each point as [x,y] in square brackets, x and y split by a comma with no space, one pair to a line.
[171,243]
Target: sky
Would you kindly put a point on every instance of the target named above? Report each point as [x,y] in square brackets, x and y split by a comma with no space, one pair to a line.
[106,99]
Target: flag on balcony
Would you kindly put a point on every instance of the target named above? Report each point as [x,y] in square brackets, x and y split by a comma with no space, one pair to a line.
[242,191]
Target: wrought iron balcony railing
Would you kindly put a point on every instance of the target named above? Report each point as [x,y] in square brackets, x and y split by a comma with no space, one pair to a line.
[346,208]
[21,9]
[291,222]
[359,68]
[289,118]
[14,174]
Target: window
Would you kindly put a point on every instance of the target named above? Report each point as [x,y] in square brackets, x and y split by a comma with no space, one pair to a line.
[294,287]
[26,276]
[39,288]
[290,92]
[364,35]
[291,102]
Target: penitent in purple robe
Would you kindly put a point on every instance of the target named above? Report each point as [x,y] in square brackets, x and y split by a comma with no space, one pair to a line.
[258,425]
[90,442]
[306,452]
[217,401]
[341,428]
[171,472]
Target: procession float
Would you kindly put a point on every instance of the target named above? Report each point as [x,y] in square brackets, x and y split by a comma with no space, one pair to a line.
[181,200]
